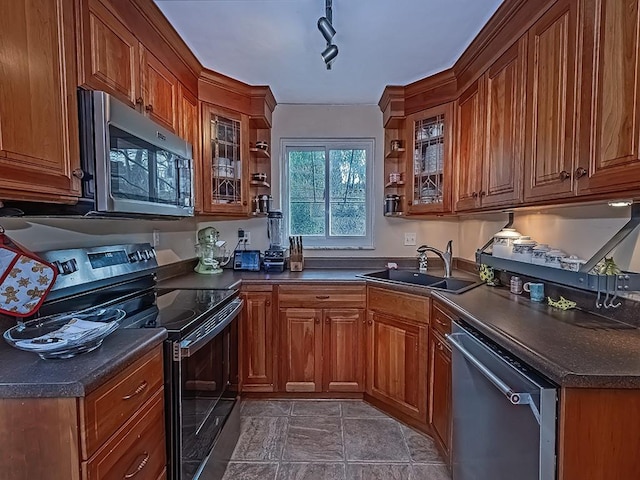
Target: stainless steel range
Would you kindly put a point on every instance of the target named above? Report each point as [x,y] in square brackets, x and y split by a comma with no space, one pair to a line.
[201,356]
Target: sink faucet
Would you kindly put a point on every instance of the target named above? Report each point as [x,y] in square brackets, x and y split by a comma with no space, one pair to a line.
[446,256]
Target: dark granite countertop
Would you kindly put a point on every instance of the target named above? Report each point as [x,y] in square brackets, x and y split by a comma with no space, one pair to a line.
[572,348]
[25,374]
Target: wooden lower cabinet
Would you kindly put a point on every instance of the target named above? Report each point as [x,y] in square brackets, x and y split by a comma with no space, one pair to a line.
[440,391]
[397,363]
[61,438]
[257,340]
[322,349]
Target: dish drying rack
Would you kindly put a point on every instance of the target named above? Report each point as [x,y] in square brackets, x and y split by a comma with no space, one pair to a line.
[608,285]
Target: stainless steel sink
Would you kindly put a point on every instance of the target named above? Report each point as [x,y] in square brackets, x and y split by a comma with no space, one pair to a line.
[416,278]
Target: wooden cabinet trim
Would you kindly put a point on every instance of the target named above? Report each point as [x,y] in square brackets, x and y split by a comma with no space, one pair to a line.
[343,353]
[410,307]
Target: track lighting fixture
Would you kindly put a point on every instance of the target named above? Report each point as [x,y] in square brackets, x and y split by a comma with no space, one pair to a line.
[328,32]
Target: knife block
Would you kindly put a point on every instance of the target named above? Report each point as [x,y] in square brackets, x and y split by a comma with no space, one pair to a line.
[296,263]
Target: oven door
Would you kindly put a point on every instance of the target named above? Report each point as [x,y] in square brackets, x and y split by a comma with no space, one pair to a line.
[206,388]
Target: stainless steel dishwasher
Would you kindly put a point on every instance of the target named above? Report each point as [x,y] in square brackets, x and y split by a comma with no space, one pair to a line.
[504,414]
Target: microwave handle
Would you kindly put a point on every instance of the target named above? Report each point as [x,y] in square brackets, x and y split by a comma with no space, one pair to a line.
[185,168]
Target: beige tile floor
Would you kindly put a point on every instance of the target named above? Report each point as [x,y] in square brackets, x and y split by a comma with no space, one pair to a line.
[329,440]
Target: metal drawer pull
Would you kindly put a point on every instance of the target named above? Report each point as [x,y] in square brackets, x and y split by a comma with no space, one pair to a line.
[440,323]
[141,465]
[516,398]
[322,297]
[141,388]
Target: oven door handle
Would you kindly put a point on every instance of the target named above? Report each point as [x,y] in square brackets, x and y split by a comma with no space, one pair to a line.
[516,398]
[198,339]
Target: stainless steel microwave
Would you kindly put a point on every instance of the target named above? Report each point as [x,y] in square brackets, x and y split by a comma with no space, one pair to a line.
[137,166]
[131,166]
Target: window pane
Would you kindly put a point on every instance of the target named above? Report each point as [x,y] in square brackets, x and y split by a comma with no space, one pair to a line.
[307,192]
[347,184]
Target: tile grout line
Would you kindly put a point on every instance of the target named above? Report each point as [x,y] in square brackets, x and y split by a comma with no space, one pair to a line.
[344,443]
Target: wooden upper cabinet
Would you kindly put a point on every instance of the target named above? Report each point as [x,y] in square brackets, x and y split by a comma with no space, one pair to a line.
[343,369]
[429,172]
[551,89]
[469,134]
[38,104]
[610,111]
[159,92]
[189,129]
[109,53]
[503,161]
[225,153]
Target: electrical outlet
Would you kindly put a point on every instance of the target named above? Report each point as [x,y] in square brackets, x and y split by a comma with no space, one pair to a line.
[156,237]
[247,238]
[409,239]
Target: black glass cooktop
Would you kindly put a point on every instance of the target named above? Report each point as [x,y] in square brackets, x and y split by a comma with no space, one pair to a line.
[182,310]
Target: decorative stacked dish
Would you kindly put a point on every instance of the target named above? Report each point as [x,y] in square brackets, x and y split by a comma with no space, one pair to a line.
[65,335]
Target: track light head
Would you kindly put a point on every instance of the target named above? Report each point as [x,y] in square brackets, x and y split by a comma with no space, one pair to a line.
[325,27]
[329,54]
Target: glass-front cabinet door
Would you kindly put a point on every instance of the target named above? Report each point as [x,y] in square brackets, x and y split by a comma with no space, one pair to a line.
[225,157]
[430,170]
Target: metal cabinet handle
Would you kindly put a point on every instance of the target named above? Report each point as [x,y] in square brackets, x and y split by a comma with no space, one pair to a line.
[474,194]
[141,388]
[564,175]
[581,172]
[370,322]
[482,193]
[149,108]
[141,465]
[327,320]
[322,297]
[317,320]
[440,322]
[139,101]
[268,303]
[516,398]
[78,173]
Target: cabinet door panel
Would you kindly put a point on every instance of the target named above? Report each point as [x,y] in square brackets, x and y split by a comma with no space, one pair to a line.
[302,341]
[38,106]
[257,342]
[612,71]
[343,350]
[397,361]
[503,159]
[469,142]
[160,93]
[110,59]
[440,391]
[550,103]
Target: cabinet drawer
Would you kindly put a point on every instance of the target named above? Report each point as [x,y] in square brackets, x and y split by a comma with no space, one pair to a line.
[441,319]
[319,296]
[106,409]
[136,451]
[398,304]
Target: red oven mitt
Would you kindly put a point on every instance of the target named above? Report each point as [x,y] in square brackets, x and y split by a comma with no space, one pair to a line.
[25,280]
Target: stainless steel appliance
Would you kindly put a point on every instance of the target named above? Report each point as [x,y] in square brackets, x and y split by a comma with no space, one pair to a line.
[201,357]
[504,413]
[275,256]
[130,166]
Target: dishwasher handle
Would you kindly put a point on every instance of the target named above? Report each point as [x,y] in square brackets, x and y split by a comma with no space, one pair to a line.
[516,398]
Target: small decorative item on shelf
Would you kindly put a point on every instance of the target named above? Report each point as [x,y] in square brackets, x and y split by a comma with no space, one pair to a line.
[523,249]
[606,267]
[395,177]
[553,258]
[259,177]
[571,263]
[487,275]
[396,145]
[538,254]
[515,285]
[262,145]
[562,303]
[296,258]
[503,242]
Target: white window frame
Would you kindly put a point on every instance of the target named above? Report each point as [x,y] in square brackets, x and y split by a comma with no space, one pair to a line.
[327,242]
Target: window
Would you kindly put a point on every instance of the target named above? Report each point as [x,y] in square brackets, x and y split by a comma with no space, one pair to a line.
[327,190]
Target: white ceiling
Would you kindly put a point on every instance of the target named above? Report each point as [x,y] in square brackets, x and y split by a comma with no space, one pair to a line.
[277,42]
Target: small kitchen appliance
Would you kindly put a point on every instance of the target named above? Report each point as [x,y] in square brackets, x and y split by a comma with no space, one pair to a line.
[211,252]
[275,256]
